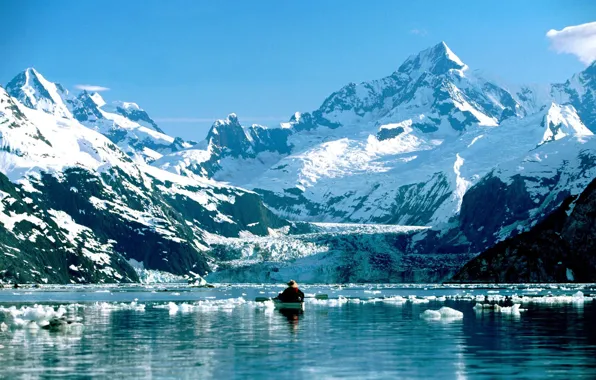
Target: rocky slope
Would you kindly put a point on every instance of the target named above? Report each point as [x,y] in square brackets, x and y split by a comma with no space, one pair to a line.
[74,207]
[559,249]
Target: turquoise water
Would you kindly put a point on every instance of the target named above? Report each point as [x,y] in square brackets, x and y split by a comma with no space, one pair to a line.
[222,333]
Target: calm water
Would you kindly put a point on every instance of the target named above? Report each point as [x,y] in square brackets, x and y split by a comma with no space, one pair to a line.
[224,337]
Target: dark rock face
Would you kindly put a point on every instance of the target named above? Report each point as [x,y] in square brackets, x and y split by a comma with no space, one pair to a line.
[37,250]
[387,134]
[229,138]
[561,248]
[492,204]
[84,109]
[165,236]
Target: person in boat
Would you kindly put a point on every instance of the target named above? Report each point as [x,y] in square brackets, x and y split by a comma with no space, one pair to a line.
[291,293]
[508,301]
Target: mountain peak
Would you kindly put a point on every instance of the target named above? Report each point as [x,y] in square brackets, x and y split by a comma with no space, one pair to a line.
[35,91]
[232,119]
[437,60]
[31,71]
[560,121]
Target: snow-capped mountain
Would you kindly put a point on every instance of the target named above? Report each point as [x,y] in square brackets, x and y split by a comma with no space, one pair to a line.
[403,149]
[435,144]
[580,91]
[124,123]
[227,144]
[74,207]
[34,91]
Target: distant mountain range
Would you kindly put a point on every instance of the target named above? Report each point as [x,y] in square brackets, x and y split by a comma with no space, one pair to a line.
[90,189]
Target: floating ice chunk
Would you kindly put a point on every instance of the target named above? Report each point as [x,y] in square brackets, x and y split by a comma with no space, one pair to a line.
[341,300]
[579,296]
[443,313]
[31,317]
[416,301]
[515,309]
[175,308]
[3,326]
[483,306]
[395,299]
[431,314]
[32,325]
[172,307]
[447,312]
[214,305]
[113,306]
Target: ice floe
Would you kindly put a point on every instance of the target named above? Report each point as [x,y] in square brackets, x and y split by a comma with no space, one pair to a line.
[228,304]
[513,309]
[35,317]
[112,306]
[443,313]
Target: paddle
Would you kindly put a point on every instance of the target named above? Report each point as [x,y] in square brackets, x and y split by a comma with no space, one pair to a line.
[317,296]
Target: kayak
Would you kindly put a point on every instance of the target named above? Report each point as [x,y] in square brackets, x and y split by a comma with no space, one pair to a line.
[288,305]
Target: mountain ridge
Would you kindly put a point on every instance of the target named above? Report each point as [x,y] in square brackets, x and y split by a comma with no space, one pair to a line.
[433,144]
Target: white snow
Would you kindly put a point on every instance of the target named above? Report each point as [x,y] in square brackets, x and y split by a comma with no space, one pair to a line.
[98,99]
[561,121]
[54,105]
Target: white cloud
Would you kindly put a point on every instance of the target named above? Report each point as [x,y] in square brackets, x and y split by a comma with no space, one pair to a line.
[579,40]
[419,32]
[213,119]
[91,88]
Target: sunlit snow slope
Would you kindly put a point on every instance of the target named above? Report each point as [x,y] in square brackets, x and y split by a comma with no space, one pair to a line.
[407,148]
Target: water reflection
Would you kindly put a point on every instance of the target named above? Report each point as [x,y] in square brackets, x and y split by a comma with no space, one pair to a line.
[352,340]
[293,317]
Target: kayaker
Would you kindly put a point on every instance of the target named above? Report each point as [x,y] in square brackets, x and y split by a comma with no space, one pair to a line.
[291,293]
[508,301]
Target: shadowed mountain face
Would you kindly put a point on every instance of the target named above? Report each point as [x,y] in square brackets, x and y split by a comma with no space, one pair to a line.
[562,248]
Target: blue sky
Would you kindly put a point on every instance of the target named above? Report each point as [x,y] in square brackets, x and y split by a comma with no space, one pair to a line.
[189,62]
